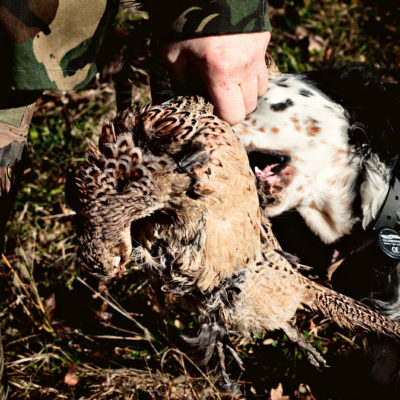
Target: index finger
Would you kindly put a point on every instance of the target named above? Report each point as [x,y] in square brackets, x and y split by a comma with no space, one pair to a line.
[228,101]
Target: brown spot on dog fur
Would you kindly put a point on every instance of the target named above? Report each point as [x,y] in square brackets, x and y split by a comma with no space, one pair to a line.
[262,129]
[294,120]
[342,151]
[313,130]
[245,129]
[298,128]
[326,213]
[337,159]
[274,129]
[252,145]
[300,188]
[254,122]
[346,181]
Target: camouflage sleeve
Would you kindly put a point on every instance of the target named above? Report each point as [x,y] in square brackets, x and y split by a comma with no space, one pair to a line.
[177,19]
[52,44]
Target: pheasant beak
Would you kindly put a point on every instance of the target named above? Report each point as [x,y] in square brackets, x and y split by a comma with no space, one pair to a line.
[119,268]
[120,253]
[116,261]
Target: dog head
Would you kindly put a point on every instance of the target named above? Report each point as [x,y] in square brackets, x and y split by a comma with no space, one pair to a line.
[298,146]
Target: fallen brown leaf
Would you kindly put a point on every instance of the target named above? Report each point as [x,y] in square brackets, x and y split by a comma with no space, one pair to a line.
[277,394]
[50,304]
[70,377]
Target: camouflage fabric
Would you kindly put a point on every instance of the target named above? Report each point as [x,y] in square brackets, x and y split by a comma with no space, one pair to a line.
[179,19]
[52,44]
[14,128]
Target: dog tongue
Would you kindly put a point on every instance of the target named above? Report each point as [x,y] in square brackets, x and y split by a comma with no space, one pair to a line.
[266,172]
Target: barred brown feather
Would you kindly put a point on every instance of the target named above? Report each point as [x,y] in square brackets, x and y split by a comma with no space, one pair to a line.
[351,313]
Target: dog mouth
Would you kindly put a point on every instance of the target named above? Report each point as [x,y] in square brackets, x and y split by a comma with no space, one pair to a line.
[268,165]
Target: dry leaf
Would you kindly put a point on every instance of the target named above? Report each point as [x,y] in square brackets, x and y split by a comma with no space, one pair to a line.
[304,392]
[277,394]
[50,304]
[316,43]
[333,267]
[301,32]
[70,377]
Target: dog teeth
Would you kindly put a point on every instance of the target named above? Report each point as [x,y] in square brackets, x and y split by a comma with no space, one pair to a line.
[257,171]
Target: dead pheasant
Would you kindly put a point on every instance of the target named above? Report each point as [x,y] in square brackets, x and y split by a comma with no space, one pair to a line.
[171,187]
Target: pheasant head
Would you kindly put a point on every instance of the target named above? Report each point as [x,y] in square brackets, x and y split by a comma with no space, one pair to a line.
[113,175]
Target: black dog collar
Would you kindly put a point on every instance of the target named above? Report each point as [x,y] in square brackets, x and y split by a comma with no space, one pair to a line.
[379,247]
[388,215]
[388,237]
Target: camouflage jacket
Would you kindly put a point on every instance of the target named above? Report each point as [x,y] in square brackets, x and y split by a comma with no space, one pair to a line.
[188,18]
[52,44]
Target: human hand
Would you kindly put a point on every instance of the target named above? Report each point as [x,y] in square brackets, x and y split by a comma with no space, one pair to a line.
[232,67]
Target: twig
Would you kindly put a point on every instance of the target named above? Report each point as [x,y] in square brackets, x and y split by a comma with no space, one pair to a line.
[116,337]
[119,309]
[47,324]
[61,215]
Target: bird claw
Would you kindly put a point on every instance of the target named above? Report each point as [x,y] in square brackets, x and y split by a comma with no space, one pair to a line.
[236,357]
[313,355]
[229,386]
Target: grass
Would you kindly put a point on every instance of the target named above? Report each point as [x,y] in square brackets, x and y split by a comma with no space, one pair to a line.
[69,338]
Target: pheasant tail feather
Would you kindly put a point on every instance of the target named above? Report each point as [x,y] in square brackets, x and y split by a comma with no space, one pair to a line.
[351,313]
